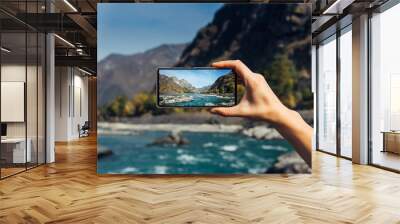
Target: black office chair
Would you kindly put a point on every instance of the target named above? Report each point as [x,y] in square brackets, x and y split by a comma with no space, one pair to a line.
[84,130]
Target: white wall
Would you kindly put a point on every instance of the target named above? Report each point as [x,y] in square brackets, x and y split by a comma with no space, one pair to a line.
[71,102]
[62,81]
[80,109]
[12,73]
[33,126]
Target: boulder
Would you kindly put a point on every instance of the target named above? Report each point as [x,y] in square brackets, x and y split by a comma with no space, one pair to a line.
[103,152]
[262,132]
[174,138]
[290,163]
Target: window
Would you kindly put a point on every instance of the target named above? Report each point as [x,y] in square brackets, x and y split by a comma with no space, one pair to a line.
[327,95]
[346,92]
[385,89]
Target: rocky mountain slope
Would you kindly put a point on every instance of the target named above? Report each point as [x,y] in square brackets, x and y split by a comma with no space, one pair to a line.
[256,34]
[126,75]
[174,85]
[224,84]
[183,83]
[203,89]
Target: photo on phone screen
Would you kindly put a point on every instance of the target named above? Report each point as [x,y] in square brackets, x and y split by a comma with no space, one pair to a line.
[196,87]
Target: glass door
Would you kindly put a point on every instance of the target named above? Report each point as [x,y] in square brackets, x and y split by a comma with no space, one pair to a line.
[327,95]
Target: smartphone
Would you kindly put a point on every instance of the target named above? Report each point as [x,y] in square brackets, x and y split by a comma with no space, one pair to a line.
[196,87]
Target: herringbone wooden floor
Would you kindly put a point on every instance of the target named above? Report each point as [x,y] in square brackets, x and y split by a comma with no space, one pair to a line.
[70,191]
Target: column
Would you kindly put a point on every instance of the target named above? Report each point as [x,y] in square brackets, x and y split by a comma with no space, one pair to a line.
[360,90]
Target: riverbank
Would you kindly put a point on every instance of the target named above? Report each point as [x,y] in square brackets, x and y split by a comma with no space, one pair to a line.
[197,116]
[257,132]
[196,100]
[196,121]
[112,128]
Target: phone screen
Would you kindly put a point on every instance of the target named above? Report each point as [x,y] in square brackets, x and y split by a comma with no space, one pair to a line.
[196,87]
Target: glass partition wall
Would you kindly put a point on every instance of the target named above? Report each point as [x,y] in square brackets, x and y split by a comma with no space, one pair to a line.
[13,110]
[22,98]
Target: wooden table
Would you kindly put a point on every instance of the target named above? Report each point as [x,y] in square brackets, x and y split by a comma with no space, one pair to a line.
[391,141]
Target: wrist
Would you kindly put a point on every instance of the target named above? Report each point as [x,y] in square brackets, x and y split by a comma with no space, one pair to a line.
[284,116]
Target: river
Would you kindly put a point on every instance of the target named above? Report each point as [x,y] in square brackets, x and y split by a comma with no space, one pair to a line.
[207,153]
[197,99]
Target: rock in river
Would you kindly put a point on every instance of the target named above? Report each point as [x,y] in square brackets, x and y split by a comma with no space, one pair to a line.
[174,138]
[290,163]
[103,152]
[262,132]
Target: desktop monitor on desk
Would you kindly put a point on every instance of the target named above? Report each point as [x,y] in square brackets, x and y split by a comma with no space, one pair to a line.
[3,130]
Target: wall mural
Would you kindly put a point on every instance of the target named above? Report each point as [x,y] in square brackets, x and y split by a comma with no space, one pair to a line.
[137,137]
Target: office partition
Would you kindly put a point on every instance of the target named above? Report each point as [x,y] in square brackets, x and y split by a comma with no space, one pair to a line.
[22,77]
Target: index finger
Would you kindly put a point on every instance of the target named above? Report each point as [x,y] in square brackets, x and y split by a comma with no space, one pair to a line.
[239,67]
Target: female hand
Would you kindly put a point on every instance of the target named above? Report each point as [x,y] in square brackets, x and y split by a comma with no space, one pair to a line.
[260,102]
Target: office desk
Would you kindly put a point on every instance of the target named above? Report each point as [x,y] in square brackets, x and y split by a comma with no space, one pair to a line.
[391,141]
[13,150]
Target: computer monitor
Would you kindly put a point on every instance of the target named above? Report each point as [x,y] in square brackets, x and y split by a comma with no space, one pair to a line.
[3,129]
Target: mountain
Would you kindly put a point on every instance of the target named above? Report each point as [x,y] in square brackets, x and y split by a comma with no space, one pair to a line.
[224,84]
[203,89]
[183,83]
[173,85]
[127,75]
[257,34]
[254,33]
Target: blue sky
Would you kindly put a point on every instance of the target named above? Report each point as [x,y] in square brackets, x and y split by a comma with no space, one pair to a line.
[198,78]
[128,28]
